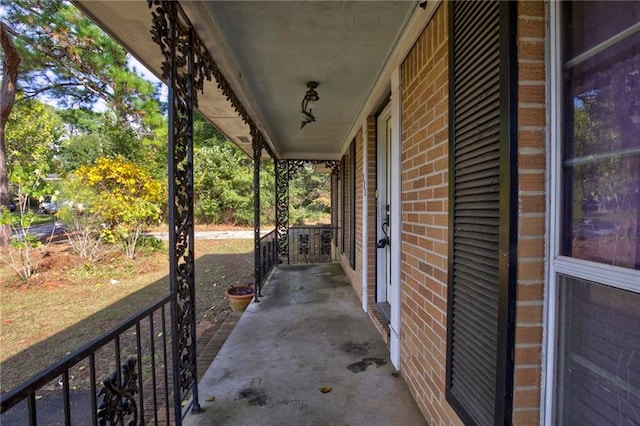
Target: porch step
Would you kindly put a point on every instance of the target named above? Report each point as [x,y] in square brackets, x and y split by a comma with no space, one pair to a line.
[380,321]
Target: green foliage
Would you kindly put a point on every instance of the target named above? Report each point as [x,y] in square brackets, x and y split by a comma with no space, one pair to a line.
[223,180]
[66,57]
[32,138]
[25,251]
[151,244]
[309,196]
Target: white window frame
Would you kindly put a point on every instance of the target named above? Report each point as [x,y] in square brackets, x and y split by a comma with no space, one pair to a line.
[612,276]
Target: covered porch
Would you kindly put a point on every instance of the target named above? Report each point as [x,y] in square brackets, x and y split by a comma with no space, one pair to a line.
[307,333]
[308,329]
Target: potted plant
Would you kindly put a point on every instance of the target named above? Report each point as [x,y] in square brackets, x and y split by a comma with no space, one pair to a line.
[240,296]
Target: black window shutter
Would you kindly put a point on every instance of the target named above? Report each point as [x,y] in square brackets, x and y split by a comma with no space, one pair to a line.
[352,204]
[481,298]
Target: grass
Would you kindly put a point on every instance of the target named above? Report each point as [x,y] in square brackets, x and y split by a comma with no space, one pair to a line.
[41,219]
[71,302]
[38,219]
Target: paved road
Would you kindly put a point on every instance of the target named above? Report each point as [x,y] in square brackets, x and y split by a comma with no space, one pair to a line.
[215,235]
[48,229]
[45,230]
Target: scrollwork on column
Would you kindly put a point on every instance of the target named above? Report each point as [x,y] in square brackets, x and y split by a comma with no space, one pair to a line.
[185,66]
[282,208]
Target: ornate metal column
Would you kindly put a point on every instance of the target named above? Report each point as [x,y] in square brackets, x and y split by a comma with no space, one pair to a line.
[285,170]
[335,175]
[257,155]
[282,208]
[186,64]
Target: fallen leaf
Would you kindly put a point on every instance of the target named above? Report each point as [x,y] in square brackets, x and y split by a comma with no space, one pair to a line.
[325,389]
[211,398]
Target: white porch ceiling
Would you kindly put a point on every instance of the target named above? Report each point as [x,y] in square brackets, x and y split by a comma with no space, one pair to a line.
[267,51]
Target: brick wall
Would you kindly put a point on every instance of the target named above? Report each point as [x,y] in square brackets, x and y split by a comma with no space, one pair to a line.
[354,273]
[425,219]
[531,203]
[370,162]
[425,140]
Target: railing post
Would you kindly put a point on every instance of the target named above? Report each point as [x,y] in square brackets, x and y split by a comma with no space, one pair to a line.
[257,154]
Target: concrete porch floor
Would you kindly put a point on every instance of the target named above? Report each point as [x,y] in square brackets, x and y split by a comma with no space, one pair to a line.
[308,331]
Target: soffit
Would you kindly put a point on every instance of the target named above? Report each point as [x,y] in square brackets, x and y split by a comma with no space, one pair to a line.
[267,52]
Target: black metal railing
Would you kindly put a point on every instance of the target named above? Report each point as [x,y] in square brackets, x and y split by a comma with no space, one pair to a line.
[134,364]
[268,256]
[312,244]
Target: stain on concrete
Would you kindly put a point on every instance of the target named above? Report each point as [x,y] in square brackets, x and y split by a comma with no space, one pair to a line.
[282,332]
[297,403]
[356,348]
[360,366]
[254,396]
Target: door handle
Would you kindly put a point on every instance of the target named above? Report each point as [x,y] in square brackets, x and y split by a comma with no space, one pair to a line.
[384,241]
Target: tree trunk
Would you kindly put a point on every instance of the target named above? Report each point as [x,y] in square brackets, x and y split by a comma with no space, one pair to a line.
[7,99]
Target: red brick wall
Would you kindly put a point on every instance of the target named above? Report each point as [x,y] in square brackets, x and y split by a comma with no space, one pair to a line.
[370,162]
[531,202]
[425,219]
[425,139]
[354,273]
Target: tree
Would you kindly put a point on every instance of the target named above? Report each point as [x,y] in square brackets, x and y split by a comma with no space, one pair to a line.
[33,134]
[10,64]
[66,57]
[223,179]
[124,195]
[223,184]
[309,196]
[63,56]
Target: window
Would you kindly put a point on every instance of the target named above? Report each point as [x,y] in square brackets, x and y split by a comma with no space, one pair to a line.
[601,159]
[598,362]
[595,256]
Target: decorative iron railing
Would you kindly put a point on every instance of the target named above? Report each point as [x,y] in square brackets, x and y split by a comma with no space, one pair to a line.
[133,363]
[312,244]
[268,257]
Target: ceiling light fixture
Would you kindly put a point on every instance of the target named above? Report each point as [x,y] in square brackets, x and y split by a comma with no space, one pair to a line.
[309,97]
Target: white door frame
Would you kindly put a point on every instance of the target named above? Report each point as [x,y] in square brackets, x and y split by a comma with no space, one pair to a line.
[396,216]
[392,256]
[383,263]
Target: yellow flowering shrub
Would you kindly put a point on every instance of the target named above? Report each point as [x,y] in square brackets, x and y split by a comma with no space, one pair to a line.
[125,196]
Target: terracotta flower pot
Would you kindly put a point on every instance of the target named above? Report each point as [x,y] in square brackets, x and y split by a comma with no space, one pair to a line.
[239,297]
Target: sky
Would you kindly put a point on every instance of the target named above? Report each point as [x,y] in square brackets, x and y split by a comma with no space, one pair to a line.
[133,64]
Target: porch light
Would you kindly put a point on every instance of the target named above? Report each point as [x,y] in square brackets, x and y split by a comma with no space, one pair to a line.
[310,96]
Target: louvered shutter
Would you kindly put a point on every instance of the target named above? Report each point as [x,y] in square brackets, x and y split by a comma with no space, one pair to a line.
[479,214]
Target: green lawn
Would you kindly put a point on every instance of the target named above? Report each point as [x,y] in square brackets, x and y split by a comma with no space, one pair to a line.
[71,302]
